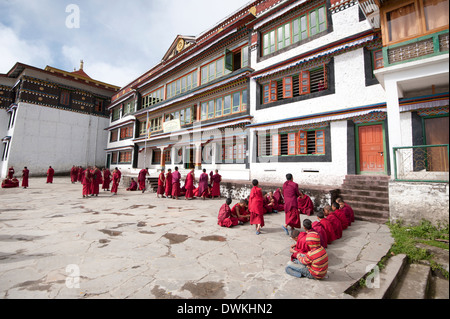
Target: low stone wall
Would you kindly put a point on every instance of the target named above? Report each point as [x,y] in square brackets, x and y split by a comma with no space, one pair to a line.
[411,202]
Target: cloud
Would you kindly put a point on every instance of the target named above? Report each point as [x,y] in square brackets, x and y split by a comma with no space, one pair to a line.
[33,53]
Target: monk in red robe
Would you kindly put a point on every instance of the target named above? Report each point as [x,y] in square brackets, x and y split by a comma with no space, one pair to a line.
[10,182]
[133,186]
[256,207]
[203,185]
[290,194]
[337,226]
[225,219]
[50,174]
[300,247]
[161,184]
[319,228]
[340,215]
[189,184]
[215,181]
[74,174]
[80,174]
[305,204]
[327,226]
[279,202]
[240,212]
[176,178]
[169,183]
[96,181]
[86,182]
[25,175]
[142,179]
[348,210]
[11,172]
[116,181]
[106,179]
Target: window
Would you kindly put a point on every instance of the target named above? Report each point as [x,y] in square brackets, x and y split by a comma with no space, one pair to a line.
[311,142]
[226,105]
[128,108]
[305,83]
[413,18]
[98,105]
[233,150]
[212,71]
[168,156]
[307,25]
[275,145]
[153,98]
[244,56]
[114,158]
[156,158]
[236,102]
[204,111]
[125,157]
[377,58]
[65,98]
[155,124]
[114,136]
[211,109]
[126,132]
[219,107]
[287,88]
[143,128]
[115,114]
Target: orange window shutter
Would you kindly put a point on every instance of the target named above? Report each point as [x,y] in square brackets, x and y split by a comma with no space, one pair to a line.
[305,83]
[287,88]
[273,91]
[292,145]
[303,143]
[266,93]
[275,145]
[320,142]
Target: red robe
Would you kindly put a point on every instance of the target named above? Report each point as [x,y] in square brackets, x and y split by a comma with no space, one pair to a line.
[133,186]
[86,181]
[176,177]
[279,203]
[80,174]
[161,184]
[329,229]
[242,211]
[141,179]
[116,181]
[106,178]
[319,228]
[11,172]
[96,181]
[10,183]
[50,173]
[203,185]
[215,180]
[305,205]
[25,175]
[290,194]
[269,204]
[74,174]
[168,184]
[256,207]
[225,219]
[349,214]
[340,214]
[301,246]
[337,226]
[189,185]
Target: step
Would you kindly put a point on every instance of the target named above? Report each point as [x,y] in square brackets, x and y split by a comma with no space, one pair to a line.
[386,280]
[365,198]
[368,205]
[368,177]
[364,187]
[414,283]
[439,288]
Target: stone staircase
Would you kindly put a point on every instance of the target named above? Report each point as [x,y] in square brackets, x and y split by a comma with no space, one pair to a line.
[368,195]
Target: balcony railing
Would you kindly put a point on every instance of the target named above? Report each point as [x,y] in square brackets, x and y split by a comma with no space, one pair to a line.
[425,163]
[423,47]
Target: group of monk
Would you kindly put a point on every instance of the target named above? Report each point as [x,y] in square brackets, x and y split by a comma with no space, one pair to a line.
[12,182]
[92,177]
[309,258]
[169,185]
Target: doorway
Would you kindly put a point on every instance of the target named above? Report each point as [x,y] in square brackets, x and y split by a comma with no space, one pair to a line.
[371,152]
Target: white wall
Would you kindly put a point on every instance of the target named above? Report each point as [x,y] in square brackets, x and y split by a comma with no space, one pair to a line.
[44,136]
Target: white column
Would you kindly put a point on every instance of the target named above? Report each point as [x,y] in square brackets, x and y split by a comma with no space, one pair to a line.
[394,124]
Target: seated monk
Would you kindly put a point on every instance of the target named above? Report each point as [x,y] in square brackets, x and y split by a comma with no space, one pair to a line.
[340,214]
[225,219]
[269,203]
[10,183]
[337,226]
[133,186]
[347,210]
[241,212]
[305,204]
[278,201]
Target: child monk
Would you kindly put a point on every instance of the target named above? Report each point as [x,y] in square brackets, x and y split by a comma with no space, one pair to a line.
[240,212]
[340,215]
[337,226]
[256,207]
[225,219]
[349,213]
[327,226]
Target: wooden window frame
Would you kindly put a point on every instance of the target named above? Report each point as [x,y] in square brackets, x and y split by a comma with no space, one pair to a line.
[292,138]
[287,94]
[65,98]
[125,157]
[301,84]
[276,145]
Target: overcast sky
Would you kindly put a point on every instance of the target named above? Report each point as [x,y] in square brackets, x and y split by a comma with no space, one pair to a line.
[118,40]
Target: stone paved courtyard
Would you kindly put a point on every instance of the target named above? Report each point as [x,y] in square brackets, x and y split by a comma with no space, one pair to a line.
[54,244]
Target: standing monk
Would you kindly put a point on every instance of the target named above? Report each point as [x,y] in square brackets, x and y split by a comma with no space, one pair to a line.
[50,173]
[161,184]
[80,174]
[190,178]
[86,181]
[176,178]
[25,174]
[106,179]
[74,174]
[290,194]
[169,183]
[305,204]
[203,185]
[96,181]
[11,172]
[116,181]
[215,180]
[142,179]
[256,207]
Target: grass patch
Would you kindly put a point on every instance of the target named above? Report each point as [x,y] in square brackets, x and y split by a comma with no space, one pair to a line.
[407,237]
